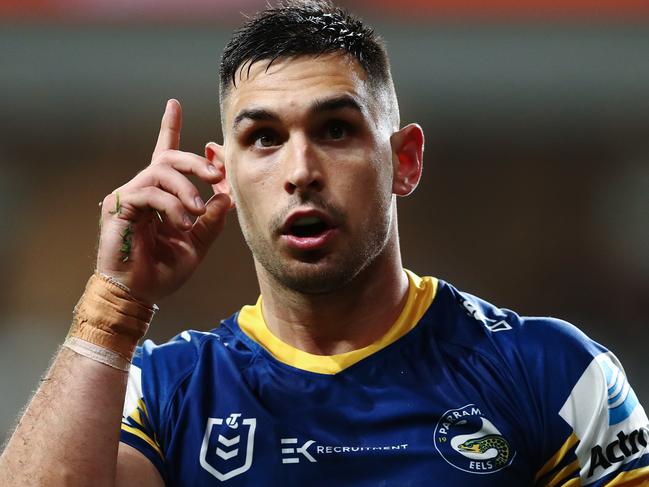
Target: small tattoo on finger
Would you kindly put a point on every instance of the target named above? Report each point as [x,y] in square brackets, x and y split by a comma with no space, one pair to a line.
[126,242]
[118,206]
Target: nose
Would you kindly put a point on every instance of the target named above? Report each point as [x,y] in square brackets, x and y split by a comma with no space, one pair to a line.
[303,167]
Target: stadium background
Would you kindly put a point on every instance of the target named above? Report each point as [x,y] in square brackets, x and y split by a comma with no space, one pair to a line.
[535,192]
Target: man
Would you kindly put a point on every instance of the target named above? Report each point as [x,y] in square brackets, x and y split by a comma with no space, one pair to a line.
[348,370]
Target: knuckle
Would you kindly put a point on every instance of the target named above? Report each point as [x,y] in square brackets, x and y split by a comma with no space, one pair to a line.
[148,192]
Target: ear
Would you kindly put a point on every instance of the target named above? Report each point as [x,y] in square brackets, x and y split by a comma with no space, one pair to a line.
[407,158]
[215,153]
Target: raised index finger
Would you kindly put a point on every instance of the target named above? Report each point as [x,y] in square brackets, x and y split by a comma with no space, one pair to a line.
[172,121]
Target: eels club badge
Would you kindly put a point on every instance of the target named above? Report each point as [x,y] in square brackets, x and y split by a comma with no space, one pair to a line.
[468,441]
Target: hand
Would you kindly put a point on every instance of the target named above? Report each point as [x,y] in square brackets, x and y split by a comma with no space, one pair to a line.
[149,240]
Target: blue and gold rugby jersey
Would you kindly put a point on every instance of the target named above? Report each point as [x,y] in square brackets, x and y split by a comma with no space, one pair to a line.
[457,393]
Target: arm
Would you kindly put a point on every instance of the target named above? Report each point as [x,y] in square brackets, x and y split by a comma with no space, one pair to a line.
[65,407]
[134,469]
[69,433]
[594,430]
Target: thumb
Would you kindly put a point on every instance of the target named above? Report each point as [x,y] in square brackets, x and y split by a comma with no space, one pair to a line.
[210,224]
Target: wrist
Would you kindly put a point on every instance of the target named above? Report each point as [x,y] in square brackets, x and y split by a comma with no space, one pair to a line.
[108,321]
[123,281]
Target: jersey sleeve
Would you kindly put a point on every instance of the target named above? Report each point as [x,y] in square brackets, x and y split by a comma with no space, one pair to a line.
[137,429]
[595,430]
[154,378]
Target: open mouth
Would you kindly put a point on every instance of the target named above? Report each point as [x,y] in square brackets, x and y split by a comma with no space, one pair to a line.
[308,230]
[308,226]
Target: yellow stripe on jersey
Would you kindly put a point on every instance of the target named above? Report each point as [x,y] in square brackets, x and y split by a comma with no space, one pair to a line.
[631,478]
[421,292]
[136,415]
[556,459]
[576,482]
[140,431]
[141,434]
[562,474]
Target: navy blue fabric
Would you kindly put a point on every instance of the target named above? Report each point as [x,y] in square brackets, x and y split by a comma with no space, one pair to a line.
[380,421]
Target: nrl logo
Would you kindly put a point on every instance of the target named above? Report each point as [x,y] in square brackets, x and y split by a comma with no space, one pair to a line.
[228,446]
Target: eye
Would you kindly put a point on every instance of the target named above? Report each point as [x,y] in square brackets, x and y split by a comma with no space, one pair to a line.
[264,138]
[336,130]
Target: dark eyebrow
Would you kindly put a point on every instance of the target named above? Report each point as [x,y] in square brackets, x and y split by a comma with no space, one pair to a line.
[336,103]
[319,106]
[253,114]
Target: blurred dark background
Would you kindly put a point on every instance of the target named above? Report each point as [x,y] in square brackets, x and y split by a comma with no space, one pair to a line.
[535,193]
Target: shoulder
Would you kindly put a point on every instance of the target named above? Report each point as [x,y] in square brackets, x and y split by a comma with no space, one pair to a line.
[478,323]
[178,356]
[585,408]
[179,352]
[161,368]
[171,358]
[541,358]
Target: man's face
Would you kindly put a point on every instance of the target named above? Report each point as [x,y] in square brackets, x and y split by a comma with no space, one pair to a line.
[308,157]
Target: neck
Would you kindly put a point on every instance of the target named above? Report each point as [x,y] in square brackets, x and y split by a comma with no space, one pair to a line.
[349,318]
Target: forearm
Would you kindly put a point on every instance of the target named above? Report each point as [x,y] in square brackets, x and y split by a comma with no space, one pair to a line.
[69,433]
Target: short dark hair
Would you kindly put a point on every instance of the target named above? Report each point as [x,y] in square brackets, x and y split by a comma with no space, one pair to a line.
[302,28]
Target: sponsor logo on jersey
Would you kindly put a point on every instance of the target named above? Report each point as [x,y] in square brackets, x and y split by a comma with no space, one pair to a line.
[227,448]
[606,417]
[468,441]
[310,450]
[292,454]
[621,398]
[477,314]
[618,450]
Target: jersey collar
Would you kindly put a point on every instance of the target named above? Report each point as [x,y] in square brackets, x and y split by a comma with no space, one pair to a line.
[421,292]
